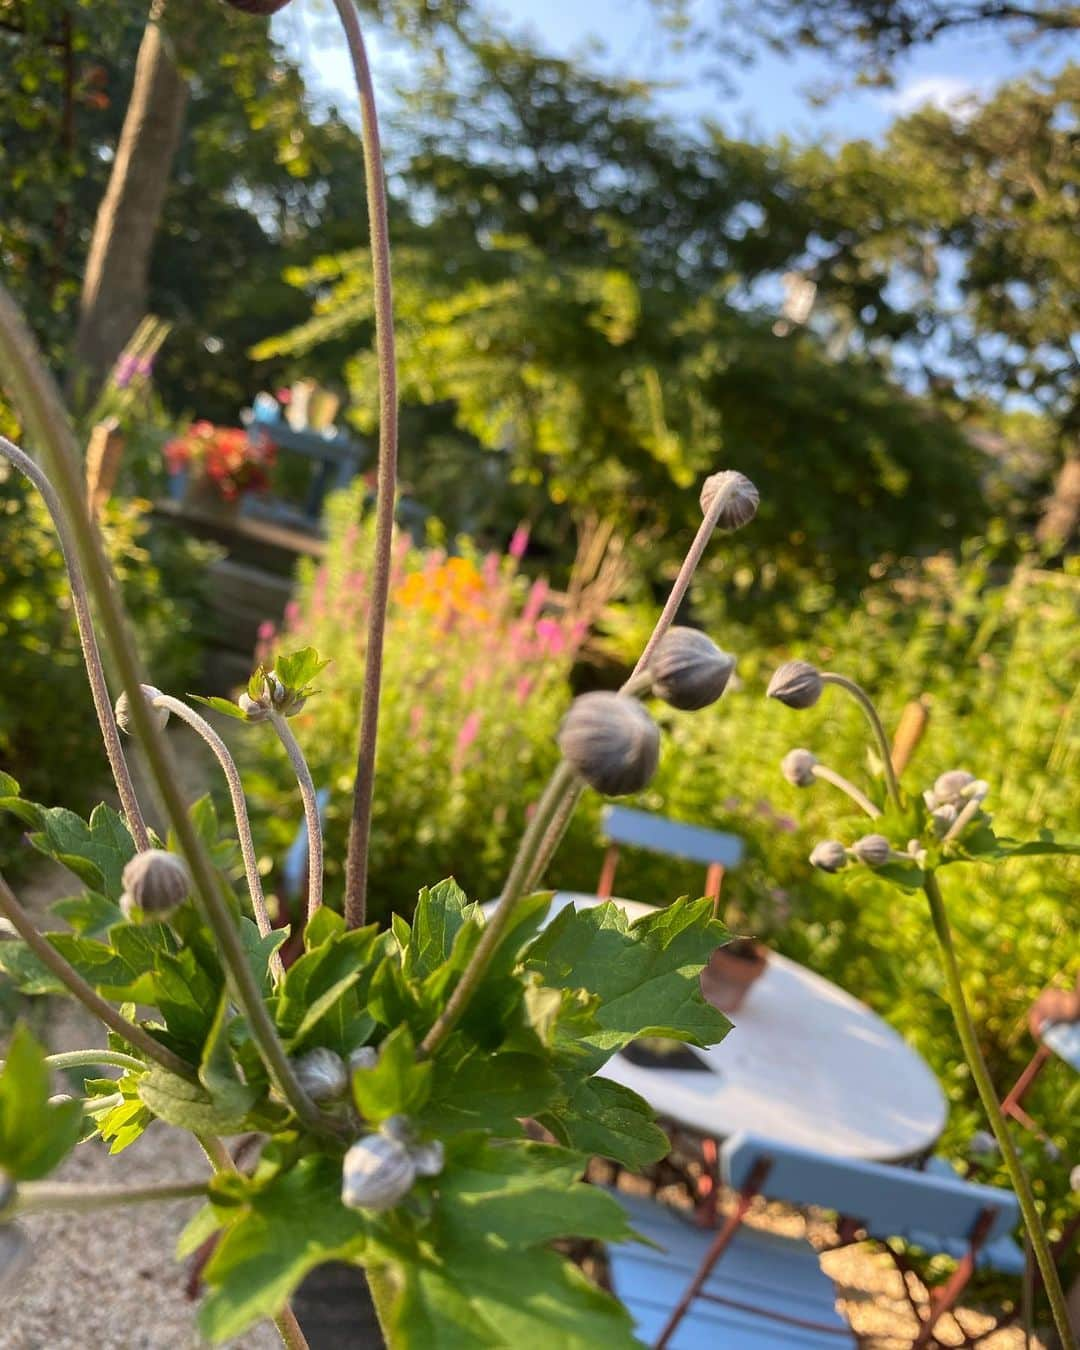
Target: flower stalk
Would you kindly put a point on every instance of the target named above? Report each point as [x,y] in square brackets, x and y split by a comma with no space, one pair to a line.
[1021,1185]
[41,1197]
[311,811]
[866,703]
[356,862]
[845,785]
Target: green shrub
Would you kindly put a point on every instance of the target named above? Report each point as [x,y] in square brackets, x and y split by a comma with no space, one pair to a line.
[48,733]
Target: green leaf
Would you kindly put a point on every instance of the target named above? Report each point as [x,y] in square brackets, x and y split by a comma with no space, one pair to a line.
[322,991]
[186,1105]
[297,669]
[35,1136]
[286,1229]
[398,1084]
[220,705]
[646,975]
[476,1090]
[608,1120]
[89,914]
[188,1001]
[983,845]
[218,1072]
[203,1224]
[96,852]
[259,949]
[323,925]
[8,786]
[439,917]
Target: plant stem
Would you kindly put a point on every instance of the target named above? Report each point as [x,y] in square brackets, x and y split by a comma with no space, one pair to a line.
[311,811]
[39,1197]
[838,780]
[221,752]
[77,1059]
[47,954]
[38,400]
[682,581]
[383,1292]
[356,863]
[561,782]
[988,1096]
[865,702]
[95,671]
[289,1330]
[553,838]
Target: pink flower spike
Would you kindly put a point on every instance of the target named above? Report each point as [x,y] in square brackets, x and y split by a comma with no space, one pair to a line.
[469,731]
[524,688]
[535,602]
[292,614]
[491,570]
[519,542]
[266,631]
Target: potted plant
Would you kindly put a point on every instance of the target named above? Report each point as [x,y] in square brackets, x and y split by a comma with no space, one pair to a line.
[214,467]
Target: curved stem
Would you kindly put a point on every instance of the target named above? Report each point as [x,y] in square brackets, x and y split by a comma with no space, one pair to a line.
[38,401]
[94,1106]
[562,781]
[78,1059]
[553,837]
[289,1330]
[47,954]
[383,1292]
[221,752]
[682,581]
[865,702]
[838,780]
[987,1094]
[356,863]
[95,671]
[39,1197]
[970,810]
[311,811]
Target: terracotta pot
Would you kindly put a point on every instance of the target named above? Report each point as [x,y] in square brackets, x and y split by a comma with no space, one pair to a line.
[202,498]
[731,972]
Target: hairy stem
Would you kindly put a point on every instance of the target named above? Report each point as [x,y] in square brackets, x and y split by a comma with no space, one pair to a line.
[221,753]
[288,1328]
[80,599]
[39,1197]
[553,837]
[356,863]
[859,694]
[838,780]
[38,401]
[1021,1185]
[47,954]
[311,811]
[562,782]
[78,1059]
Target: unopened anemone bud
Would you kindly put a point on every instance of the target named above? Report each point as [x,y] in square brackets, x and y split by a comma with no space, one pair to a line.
[689,670]
[255,709]
[797,684]
[284,700]
[829,856]
[14,1255]
[155,882]
[797,766]
[976,791]
[322,1074]
[944,817]
[429,1158]
[949,787]
[363,1057]
[123,709]
[872,849]
[611,741]
[377,1174]
[741,498]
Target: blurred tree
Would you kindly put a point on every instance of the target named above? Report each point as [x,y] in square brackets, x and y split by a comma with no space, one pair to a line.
[589,294]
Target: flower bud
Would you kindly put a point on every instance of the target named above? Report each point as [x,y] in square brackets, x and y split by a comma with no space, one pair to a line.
[829,856]
[943,818]
[872,849]
[284,700]
[123,709]
[948,788]
[378,1172]
[363,1057]
[255,710]
[797,766]
[611,741]
[14,1255]
[797,684]
[689,670]
[429,1159]
[742,498]
[155,882]
[322,1074]
[977,791]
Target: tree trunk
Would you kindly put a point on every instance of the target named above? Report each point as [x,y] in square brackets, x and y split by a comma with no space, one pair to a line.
[1061,515]
[115,285]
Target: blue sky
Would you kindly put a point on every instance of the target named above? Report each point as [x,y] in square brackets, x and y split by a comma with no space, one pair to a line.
[771,97]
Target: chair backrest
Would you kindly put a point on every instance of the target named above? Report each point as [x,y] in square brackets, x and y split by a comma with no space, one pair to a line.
[640,829]
[886,1200]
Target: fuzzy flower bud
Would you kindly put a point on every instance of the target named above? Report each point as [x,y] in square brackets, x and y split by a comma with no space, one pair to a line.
[155,882]
[429,1159]
[689,670]
[611,741]
[797,684]
[872,849]
[829,856]
[363,1057]
[948,789]
[322,1074]
[123,709]
[797,766]
[378,1173]
[14,1255]
[742,498]
[255,709]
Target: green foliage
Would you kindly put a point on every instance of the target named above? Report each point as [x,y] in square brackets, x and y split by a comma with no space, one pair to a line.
[48,732]
[35,1136]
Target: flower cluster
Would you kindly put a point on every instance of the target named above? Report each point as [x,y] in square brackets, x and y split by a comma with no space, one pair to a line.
[229,458]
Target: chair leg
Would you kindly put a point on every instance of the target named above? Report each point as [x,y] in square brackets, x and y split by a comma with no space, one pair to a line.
[943,1300]
[708,1188]
[717,1248]
[606,883]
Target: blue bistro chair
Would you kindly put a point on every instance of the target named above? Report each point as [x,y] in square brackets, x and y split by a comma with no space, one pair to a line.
[772,1292]
[717,852]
